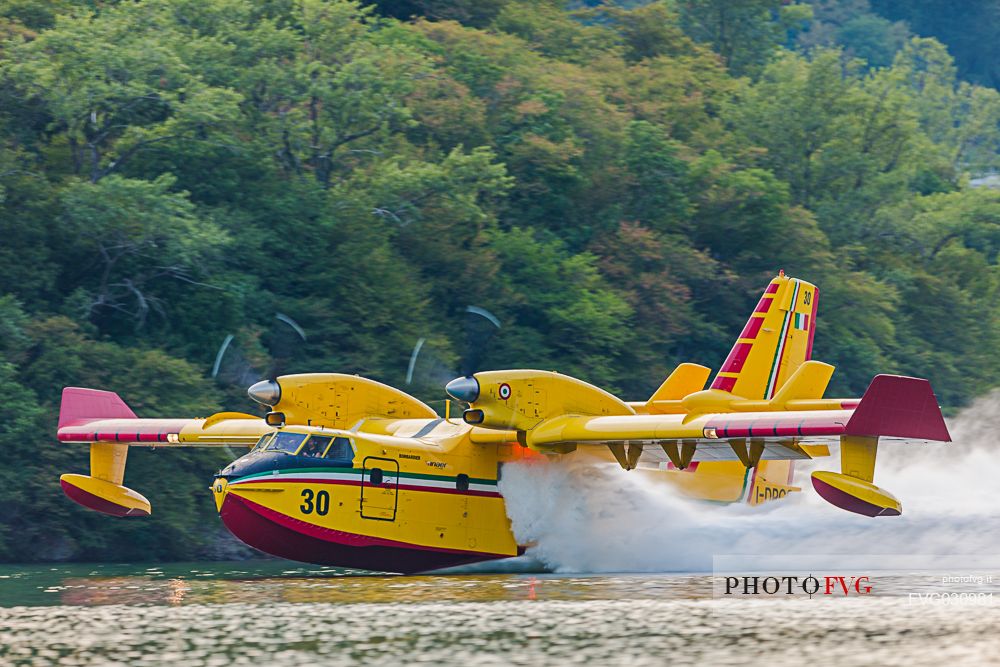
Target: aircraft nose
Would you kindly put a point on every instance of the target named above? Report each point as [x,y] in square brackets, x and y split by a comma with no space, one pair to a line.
[220,487]
[265,392]
[463,389]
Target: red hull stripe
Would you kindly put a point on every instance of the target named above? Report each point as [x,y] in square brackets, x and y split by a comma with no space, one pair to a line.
[246,523]
[342,537]
[348,482]
[772,288]
[764,304]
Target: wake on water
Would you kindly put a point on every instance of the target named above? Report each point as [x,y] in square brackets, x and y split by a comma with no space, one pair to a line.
[586,517]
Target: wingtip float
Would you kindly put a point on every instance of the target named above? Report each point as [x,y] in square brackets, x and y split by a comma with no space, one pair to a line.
[348,471]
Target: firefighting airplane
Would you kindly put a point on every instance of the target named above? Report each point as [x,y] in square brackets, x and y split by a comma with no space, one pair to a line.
[350,472]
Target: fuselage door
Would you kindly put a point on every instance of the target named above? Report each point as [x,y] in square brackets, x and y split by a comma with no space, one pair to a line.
[379,488]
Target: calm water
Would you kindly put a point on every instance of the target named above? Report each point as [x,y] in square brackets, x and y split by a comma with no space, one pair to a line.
[271,615]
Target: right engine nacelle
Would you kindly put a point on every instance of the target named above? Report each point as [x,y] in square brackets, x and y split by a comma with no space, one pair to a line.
[520,399]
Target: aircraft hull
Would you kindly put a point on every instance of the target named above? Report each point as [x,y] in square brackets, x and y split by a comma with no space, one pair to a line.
[285,536]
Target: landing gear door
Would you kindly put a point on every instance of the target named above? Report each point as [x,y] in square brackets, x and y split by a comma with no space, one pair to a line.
[379,488]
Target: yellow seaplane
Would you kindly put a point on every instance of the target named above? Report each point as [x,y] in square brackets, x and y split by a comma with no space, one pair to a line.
[347,471]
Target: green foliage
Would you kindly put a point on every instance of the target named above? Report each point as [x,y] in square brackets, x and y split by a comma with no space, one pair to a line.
[968,28]
[615,181]
[476,13]
[129,234]
[854,27]
[745,33]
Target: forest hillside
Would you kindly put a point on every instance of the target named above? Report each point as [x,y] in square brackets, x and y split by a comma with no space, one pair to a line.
[617,183]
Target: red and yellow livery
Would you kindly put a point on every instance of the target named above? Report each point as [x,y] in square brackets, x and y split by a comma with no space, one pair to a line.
[351,472]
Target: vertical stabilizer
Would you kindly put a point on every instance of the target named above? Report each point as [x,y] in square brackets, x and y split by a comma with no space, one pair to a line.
[776,340]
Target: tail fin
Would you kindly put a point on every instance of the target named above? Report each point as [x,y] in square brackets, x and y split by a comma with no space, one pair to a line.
[776,340]
[81,405]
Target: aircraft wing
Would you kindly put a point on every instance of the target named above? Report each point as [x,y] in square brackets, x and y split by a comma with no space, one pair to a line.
[778,435]
[92,415]
[893,407]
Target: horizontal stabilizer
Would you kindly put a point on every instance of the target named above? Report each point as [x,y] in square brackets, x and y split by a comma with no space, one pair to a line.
[81,405]
[809,381]
[899,407]
[685,379]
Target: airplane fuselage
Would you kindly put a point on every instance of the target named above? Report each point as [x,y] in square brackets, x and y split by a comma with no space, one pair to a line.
[410,495]
[372,500]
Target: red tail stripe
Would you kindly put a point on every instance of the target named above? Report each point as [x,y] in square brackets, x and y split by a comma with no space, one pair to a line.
[752,328]
[724,384]
[737,357]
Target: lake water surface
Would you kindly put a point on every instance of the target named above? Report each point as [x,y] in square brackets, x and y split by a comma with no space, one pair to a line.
[270,614]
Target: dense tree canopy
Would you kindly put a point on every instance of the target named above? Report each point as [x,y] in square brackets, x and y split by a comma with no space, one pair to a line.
[615,182]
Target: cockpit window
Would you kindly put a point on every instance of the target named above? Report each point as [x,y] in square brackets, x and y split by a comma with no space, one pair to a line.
[340,449]
[286,442]
[262,443]
[315,445]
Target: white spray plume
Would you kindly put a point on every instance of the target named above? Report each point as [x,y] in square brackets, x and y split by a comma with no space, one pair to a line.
[586,517]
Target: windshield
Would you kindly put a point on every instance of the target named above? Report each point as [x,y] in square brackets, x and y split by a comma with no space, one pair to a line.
[264,439]
[341,449]
[316,445]
[286,442]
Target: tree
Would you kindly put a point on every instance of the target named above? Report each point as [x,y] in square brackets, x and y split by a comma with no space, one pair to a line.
[477,13]
[842,139]
[968,28]
[745,33]
[131,234]
[115,85]
[963,119]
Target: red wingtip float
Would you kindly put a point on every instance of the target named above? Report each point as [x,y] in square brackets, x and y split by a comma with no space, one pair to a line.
[351,472]
[92,409]
[894,407]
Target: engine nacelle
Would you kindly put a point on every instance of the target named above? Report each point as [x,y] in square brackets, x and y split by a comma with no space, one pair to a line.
[520,399]
[336,400]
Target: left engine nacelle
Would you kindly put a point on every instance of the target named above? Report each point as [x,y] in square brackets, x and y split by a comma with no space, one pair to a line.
[336,400]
